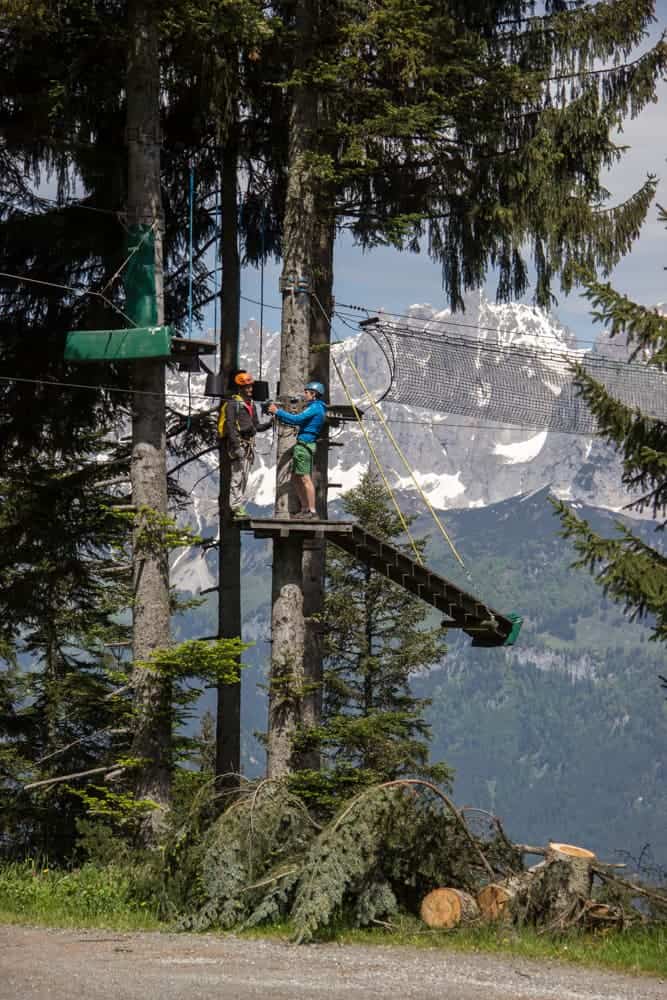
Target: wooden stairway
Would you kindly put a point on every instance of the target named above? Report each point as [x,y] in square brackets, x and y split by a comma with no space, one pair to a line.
[483,624]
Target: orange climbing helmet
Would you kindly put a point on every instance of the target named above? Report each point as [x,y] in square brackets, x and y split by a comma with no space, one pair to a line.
[243,378]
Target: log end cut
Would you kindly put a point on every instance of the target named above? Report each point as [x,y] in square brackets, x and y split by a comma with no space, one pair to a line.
[447,908]
[493,901]
[569,851]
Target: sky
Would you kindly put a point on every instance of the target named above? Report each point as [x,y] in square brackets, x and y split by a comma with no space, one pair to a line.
[385,278]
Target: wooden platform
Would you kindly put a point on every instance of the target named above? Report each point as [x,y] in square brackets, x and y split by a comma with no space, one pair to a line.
[483,624]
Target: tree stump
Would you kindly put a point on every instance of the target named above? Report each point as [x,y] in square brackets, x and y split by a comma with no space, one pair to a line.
[555,893]
[578,861]
[447,908]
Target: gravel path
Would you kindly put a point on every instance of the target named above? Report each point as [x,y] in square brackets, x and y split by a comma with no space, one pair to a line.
[40,964]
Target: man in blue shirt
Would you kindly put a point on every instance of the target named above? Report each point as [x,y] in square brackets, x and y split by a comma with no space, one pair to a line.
[309,423]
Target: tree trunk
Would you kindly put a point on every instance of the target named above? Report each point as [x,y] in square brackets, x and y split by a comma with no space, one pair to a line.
[555,893]
[228,727]
[446,908]
[578,863]
[152,740]
[287,618]
[314,553]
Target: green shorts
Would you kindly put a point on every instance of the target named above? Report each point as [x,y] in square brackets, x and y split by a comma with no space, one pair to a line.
[302,458]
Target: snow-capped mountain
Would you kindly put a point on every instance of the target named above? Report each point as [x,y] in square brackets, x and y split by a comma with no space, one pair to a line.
[459,462]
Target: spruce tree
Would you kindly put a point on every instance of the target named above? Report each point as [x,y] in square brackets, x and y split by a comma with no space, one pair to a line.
[376,637]
[631,572]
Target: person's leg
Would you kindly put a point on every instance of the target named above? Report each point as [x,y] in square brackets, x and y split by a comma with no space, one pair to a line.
[299,488]
[302,469]
[248,459]
[236,483]
[308,487]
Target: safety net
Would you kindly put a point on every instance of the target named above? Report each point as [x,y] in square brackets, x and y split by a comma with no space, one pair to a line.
[510,383]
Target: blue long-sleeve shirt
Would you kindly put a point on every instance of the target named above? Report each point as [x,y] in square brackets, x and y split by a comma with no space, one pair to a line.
[310,421]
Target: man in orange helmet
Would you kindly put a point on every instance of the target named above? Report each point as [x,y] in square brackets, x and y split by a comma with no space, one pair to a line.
[239,424]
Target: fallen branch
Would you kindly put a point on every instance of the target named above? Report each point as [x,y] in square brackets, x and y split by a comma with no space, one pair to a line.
[606,876]
[436,791]
[70,777]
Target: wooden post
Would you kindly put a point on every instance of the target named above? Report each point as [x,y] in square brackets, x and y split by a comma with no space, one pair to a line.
[152,737]
[228,724]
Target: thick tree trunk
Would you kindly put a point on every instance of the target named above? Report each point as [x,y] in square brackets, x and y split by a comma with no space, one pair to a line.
[228,728]
[314,551]
[287,618]
[556,892]
[152,740]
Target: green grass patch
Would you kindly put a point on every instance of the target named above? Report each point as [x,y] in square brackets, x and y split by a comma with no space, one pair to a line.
[636,950]
[89,896]
[105,897]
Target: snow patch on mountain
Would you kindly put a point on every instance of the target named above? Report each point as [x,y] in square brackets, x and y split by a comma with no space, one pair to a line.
[522,451]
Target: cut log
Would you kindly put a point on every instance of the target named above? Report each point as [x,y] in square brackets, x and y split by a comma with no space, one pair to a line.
[447,908]
[493,900]
[578,861]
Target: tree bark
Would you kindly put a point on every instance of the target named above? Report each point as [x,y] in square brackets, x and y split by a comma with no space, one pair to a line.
[152,740]
[287,618]
[314,553]
[228,726]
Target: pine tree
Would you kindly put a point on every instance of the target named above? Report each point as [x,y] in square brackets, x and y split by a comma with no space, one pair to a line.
[376,638]
[630,571]
[64,594]
[475,131]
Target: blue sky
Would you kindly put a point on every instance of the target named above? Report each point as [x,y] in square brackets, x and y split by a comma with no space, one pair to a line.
[385,278]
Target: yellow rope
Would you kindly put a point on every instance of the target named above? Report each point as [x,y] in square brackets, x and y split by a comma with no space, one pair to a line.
[404,523]
[407,465]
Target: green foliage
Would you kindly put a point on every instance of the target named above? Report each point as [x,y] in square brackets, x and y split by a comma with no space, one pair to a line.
[267,860]
[631,571]
[155,533]
[253,845]
[375,640]
[216,660]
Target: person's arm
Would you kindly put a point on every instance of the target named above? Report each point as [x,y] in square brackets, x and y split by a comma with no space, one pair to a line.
[295,419]
[233,438]
[259,425]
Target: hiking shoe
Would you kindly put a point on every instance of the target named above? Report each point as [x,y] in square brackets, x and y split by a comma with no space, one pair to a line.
[307,515]
[240,514]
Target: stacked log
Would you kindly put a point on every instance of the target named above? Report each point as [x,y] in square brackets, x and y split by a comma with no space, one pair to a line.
[495,898]
[447,908]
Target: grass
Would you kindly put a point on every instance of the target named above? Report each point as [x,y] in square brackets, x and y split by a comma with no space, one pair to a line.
[105,897]
[89,896]
[638,950]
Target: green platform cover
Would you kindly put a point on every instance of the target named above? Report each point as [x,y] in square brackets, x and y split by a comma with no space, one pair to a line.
[517,622]
[119,345]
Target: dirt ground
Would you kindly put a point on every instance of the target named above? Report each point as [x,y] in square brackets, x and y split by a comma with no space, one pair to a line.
[40,964]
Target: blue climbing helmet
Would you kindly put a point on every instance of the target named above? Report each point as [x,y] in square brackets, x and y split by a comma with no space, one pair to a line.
[317,388]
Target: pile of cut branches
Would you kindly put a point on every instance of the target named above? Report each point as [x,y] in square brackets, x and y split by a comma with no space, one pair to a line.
[399,846]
